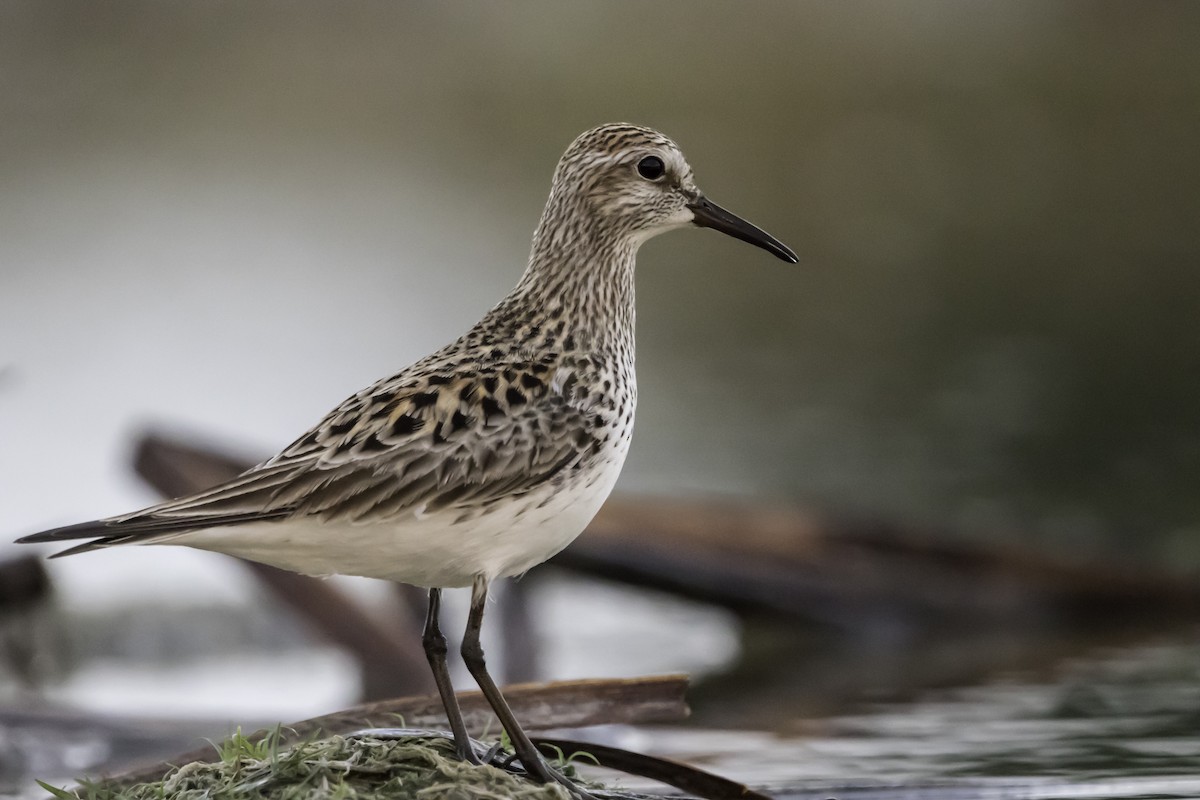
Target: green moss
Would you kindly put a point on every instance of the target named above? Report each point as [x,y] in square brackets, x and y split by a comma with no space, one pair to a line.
[335,768]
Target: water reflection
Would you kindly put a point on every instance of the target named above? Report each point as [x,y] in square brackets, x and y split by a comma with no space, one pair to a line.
[1119,722]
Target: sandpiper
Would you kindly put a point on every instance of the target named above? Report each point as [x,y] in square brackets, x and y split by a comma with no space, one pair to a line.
[488,456]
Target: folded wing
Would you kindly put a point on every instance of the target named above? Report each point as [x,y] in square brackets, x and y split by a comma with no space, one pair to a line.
[443,443]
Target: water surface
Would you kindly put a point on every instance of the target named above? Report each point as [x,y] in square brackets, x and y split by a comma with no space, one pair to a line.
[1120,722]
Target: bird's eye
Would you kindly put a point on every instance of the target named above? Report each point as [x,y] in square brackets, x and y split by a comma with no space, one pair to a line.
[651,168]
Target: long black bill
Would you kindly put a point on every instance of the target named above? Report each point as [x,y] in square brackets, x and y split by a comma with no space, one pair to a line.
[710,215]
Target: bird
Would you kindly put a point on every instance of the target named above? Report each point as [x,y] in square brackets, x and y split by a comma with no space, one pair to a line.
[488,456]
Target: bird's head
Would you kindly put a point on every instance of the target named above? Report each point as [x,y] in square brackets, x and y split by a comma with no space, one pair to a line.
[635,184]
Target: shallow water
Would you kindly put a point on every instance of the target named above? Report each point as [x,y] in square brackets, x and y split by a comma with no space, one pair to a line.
[1120,722]
[1110,720]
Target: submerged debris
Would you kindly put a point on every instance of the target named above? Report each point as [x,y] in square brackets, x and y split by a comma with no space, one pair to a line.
[333,768]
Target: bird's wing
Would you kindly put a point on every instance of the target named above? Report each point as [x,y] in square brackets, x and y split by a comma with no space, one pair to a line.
[458,442]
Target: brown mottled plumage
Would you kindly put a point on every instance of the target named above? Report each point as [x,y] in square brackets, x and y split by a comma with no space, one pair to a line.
[488,456]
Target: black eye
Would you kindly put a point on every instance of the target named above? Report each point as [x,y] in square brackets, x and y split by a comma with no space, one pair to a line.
[651,168]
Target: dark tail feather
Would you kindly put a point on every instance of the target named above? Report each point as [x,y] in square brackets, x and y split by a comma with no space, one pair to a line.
[107,533]
[86,547]
[83,530]
[104,533]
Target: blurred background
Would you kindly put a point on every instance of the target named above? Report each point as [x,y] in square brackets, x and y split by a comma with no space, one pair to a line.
[221,219]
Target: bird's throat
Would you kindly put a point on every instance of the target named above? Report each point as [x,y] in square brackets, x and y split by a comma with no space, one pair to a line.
[585,282]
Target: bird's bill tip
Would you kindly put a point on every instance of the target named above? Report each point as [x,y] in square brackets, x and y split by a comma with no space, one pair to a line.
[707,214]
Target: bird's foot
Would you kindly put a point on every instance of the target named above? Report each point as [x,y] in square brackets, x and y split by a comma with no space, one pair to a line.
[535,768]
[542,772]
[466,752]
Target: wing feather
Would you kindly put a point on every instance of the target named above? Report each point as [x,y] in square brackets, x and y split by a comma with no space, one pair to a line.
[406,445]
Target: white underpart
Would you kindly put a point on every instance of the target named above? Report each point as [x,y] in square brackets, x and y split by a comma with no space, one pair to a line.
[427,549]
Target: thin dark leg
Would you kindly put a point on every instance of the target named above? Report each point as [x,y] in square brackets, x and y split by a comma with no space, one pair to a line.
[472,653]
[435,651]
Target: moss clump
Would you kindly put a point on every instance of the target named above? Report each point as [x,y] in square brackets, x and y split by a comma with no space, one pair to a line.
[336,768]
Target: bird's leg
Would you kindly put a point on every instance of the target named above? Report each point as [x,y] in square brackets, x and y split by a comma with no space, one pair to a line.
[435,651]
[472,653]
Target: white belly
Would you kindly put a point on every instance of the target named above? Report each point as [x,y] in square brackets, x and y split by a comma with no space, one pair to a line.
[424,550]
